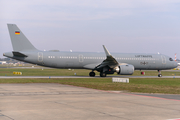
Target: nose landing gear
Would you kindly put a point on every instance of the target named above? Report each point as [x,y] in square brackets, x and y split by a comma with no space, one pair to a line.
[159,75]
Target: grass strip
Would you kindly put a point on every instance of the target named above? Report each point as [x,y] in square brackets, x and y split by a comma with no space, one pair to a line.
[71,72]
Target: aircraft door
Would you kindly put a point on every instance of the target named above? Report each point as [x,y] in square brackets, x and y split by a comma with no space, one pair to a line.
[81,58]
[40,57]
[163,59]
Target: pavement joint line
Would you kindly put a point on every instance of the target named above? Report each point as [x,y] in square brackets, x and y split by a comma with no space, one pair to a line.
[91,110]
[175,119]
[151,97]
[147,105]
[5,116]
[121,92]
[45,93]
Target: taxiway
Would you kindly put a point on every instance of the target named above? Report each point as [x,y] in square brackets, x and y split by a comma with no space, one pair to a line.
[47,101]
[9,77]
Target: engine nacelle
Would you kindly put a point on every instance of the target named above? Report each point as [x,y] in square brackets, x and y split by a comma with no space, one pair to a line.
[125,69]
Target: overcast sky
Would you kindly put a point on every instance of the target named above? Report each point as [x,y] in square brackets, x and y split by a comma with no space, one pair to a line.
[125,26]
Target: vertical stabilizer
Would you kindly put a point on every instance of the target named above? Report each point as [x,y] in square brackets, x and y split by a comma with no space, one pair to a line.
[19,40]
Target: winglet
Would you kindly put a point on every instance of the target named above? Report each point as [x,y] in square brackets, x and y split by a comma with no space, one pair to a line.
[106,51]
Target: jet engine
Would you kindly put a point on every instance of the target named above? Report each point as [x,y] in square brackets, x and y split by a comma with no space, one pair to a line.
[125,69]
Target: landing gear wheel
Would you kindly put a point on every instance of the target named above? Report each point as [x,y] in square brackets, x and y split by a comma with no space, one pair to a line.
[103,74]
[92,74]
[159,75]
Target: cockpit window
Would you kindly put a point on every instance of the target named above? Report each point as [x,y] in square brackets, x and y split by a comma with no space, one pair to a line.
[170,59]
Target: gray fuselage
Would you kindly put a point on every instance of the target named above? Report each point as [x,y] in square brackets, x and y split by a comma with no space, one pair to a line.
[88,60]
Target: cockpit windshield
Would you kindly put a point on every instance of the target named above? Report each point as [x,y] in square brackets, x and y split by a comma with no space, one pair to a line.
[170,59]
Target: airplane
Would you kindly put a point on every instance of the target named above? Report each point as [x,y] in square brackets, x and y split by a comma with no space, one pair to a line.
[120,63]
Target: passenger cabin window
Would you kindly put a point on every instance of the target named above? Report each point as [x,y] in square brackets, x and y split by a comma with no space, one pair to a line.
[170,59]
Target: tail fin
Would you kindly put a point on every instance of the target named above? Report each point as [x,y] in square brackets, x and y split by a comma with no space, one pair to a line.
[19,40]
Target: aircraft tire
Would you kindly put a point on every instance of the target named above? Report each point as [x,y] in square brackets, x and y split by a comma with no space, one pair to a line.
[92,74]
[159,75]
[102,74]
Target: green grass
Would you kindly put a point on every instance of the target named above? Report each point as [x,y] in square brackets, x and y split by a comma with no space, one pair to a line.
[43,72]
[141,85]
[66,72]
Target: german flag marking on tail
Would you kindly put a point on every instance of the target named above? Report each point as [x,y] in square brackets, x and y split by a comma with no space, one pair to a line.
[17,33]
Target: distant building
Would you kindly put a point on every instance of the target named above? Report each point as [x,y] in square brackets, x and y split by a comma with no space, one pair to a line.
[3,62]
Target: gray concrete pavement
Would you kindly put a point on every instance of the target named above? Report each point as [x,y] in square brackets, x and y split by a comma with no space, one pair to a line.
[44,101]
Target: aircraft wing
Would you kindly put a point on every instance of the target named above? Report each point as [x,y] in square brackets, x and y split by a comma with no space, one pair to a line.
[110,61]
[91,66]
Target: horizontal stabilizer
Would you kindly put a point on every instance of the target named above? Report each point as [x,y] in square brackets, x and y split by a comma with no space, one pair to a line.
[18,54]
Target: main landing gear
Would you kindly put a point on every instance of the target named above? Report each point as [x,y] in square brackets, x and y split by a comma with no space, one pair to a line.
[159,75]
[102,74]
[92,74]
